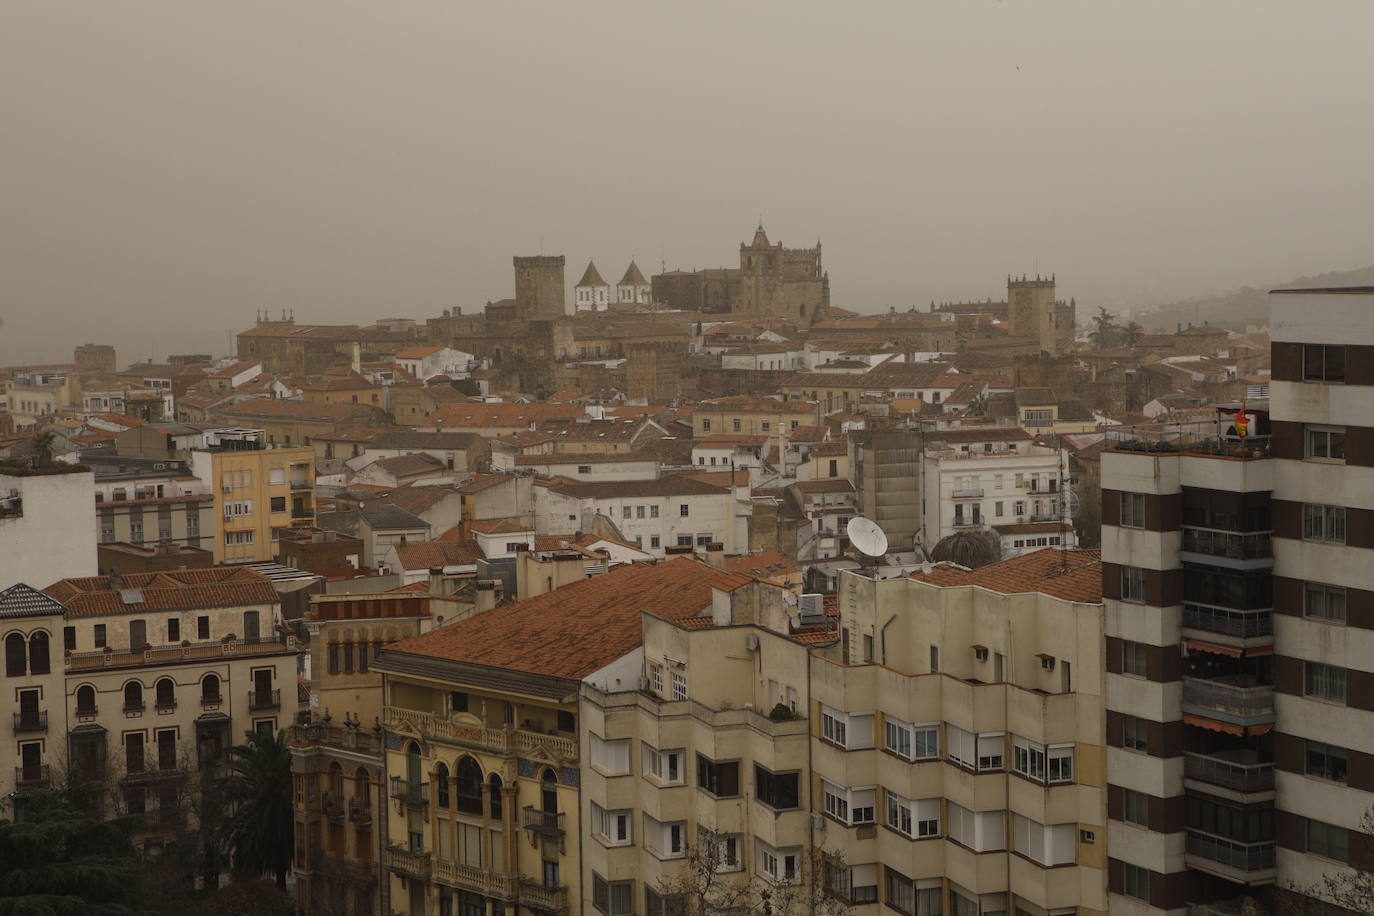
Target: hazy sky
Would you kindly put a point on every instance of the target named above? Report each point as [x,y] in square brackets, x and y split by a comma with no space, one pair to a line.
[168,167]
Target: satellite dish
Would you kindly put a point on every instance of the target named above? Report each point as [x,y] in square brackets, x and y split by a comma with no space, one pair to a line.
[867,537]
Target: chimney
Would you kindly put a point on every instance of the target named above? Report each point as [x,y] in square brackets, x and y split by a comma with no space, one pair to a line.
[677,551]
[357,356]
[486,595]
[715,555]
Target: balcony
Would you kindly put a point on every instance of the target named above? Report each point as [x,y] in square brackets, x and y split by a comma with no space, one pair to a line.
[360,812]
[1240,772]
[264,699]
[967,493]
[540,897]
[478,880]
[332,807]
[1043,517]
[209,699]
[409,793]
[1233,549]
[1237,907]
[303,512]
[1207,437]
[964,522]
[31,776]
[1244,863]
[506,740]
[410,864]
[339,737]
[143,776]
[1236,699]
[547,823]
[30,722]
[1241,626]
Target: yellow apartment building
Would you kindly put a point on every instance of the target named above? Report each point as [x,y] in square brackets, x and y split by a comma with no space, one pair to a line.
[258,491]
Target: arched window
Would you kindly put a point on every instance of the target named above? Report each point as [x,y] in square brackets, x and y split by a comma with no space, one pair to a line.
[362,786]
[548,795]
[336,786]
[441,783]
[494,787]
[85,700]
[133,696]
[15,655]
[209,688]
[165,693]
[38,653]
[469,780]
[413,766]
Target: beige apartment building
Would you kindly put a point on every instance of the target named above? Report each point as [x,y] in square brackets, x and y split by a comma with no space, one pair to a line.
[259,490]
[959,750]
[753,415]
[340,796]
[159,674]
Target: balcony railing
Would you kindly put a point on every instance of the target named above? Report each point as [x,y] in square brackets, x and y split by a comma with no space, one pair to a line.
[549,823]
[961,521]
[31,776]
[1214,542]
[967,493]
[497,739]
[1240,859]
[1230,771]
[360,811]
[302,513]
[264,699]
[410,793]
[1240,624]
[332,807]
[341,737]
[410,864]
[1207,437]
[30,722]
[542,897]
[1234,699]
[154,773]
[476,879]
[208,699]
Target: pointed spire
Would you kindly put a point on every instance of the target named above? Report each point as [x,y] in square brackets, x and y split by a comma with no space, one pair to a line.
[633,276]
[591,276]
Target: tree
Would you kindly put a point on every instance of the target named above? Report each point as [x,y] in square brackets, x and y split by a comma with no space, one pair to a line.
[710,881]
[1131,334]
[257,791]
[1351,888]
[44,446]
[971,549]
[56,860]
[1106,333]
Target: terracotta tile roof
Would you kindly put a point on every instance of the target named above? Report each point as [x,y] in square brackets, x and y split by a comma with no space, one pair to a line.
[417,352]
[499,526]
[582,458]
[427,554]
[744,403]
[765,564]
[1070,575]
[278,408]
[312,331]
[807,434]
[477,416]
[579,628]
[830,449]
[413,499]
[577,541]
[727,440]
[829,485]
[20,600]
[409,465]
[678,485]
[182,589]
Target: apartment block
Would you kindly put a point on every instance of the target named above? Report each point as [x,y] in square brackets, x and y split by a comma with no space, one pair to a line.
[1241,687]
[259,490]
[151,501]
[958,760]
[47,523]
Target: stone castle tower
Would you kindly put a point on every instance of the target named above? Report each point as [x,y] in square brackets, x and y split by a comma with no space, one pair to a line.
[1034,313]
[778,282]
[540,290]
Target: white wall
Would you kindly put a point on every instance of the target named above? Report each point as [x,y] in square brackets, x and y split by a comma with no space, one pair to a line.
[55,537]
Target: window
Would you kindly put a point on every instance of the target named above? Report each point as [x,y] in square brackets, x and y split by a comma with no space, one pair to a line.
[1323,363]
[1132,510]
[981,831]
[610,757]
[1133,658]
[663,766]
[778,864]
[615,898]
[173,630]
[1323,523]
[1325,682]
[1135,807]
[776,790]
[1324,602]
[901,892]
[720,779]
[1043,843]
[202,628]
[1132,583]
[914,818]
[1061,762]
[684,540]
[705,425]
[683,510]
[99,635]
[334,658]
[1028,758]
[1328,841]
[679,685]
[850,806]
[665,840]
[981,752]
[735,425]
[1327,762]
[1324,442]
[654,541]
[584,469]
[276,476]
[656,904]
[1134,733]
[611,827]
[278,504]
[656,678]
[625,511]
[653,513]
[833,725]
[934,658]
[897,737]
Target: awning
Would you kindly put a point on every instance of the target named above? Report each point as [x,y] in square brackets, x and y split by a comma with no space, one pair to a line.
[1198,645]
[1227,727]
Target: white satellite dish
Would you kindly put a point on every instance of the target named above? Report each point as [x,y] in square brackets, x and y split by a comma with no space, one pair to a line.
[867,537]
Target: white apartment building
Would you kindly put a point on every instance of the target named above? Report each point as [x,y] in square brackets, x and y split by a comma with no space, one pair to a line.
[47,523]
[652,514]
[974,479]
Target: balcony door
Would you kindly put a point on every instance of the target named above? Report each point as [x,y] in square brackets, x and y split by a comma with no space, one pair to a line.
[31,759]
[28,708]
[262,685]
[250,625]
[138,635]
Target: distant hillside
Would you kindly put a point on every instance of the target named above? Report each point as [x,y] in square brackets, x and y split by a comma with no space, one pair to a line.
[1246,305]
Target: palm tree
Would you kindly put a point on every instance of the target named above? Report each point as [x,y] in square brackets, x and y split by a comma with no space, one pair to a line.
[257,788]
[56,859]
[44,445]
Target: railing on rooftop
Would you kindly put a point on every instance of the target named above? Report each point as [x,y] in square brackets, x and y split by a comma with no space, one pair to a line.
[1205,437]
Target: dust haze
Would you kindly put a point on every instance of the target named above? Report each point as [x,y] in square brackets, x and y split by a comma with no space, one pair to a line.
[167,168]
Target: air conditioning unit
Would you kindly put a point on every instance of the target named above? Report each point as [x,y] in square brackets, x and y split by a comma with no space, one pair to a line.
[227,489]
[751,642]
[980,653]
[1047,662]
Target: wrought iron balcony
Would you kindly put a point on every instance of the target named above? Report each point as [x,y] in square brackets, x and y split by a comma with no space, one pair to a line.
[31,776]
[264,699]
[548,823]
[154,773]
[360,811]
[410,793]
[332,807]
[30,722]
[342,737]
[1239,771]
[208,699]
